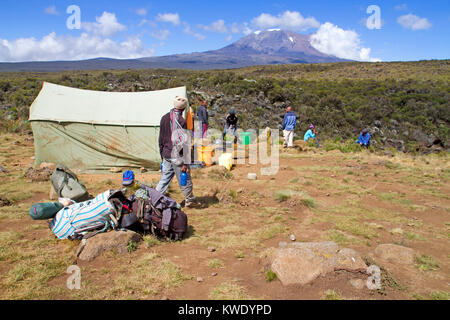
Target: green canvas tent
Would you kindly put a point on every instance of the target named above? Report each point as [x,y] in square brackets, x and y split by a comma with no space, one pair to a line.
[92,130]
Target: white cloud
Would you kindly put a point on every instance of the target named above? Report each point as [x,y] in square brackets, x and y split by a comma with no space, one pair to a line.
[161,35]
[51,10]
[240,28]
[217,26]
[246,29]
[401,7]
[149,22]
[229,38]
[235,28]
[344,44]
[173,18]
[93,43]
[289,20]
[188,30]
[414,22]
[106,25]
[86,46]
[141,12]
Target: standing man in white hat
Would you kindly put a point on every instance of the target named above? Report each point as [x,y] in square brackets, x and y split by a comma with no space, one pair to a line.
[172,137]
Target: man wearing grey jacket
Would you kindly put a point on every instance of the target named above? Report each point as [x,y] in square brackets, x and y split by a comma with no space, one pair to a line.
[202,115]
[172,138]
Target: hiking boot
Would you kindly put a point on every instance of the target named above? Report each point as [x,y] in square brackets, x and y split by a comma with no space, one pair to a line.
[191,203]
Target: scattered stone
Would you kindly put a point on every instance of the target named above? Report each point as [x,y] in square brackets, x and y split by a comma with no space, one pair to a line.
[240,190]
[376,225]
[113,240]
[3,169]
[38,175]
[143,170]
[4,202]
[395,254]
[292,237]
[200,279]
[328,194]
[388,154]
[33,158]
[252,176]
[164,298]
[115,170]
[214,274]
[397,231]
[357,283]
[211,249]
[301,263]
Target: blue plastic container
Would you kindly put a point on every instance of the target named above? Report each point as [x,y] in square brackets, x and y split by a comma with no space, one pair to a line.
[183,179]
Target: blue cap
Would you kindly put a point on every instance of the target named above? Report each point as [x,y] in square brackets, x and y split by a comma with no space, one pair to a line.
[128,178]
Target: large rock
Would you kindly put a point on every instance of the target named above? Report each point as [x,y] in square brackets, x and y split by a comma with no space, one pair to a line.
[302,263]
[349,260]
[395,254]
[113,240]
[397,144]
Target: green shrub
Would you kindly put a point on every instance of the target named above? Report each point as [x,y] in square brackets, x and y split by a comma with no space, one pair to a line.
[270,276]
[426,263]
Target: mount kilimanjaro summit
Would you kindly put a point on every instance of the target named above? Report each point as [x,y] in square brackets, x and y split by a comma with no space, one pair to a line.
[259,48]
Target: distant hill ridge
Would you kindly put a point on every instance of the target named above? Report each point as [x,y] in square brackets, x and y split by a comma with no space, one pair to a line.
[259,48]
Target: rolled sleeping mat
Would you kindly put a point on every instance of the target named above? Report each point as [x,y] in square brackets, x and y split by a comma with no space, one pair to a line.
[45,211]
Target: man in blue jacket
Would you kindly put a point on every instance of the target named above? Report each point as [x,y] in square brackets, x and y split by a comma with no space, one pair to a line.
[289,124]
[364,139]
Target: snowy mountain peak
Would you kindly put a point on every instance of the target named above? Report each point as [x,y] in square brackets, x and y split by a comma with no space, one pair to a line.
[274,42]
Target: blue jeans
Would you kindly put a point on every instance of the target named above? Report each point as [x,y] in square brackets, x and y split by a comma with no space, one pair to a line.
[169,171]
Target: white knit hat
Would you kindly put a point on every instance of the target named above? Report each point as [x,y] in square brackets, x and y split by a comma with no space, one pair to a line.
[180,103]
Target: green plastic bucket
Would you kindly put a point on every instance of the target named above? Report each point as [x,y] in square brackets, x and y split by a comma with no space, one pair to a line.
[246,138]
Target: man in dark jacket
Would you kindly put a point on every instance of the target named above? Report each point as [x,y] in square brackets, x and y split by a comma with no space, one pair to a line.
[202,115]
[172,137]
[231,124]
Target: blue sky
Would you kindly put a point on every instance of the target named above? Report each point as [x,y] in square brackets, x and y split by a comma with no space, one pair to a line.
[37,30]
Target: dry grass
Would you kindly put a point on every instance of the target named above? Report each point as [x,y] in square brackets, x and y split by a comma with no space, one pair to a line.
[229,290]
